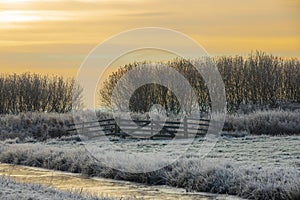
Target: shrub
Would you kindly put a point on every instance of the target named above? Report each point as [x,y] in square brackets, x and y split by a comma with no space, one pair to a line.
[273,122]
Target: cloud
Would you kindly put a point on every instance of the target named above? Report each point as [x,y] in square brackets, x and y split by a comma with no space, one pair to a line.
[11,16]
[145,14]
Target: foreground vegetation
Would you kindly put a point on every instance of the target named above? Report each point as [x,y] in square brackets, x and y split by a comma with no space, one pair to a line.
[190,172]
[11,190]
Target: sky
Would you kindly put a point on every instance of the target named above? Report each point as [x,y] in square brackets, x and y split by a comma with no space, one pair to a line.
[55,36]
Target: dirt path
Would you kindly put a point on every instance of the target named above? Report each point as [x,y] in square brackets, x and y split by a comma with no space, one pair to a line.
[98,186]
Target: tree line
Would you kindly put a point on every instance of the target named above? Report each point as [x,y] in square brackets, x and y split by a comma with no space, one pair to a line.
[258,79]
[33,92]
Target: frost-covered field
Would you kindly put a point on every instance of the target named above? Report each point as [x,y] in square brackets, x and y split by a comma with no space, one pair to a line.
[256,151]
[260,151]
[255,167]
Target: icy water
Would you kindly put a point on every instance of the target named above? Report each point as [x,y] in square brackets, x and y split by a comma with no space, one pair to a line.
[100,186]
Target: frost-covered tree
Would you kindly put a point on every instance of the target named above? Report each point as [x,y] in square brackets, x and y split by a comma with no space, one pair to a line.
[34,92]
[258,79]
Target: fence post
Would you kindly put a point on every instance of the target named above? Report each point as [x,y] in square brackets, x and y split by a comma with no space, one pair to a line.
[151,125]
[82,128]
[116,125]
[185,127]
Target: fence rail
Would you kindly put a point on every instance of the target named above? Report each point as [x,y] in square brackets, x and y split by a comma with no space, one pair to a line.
[153,129]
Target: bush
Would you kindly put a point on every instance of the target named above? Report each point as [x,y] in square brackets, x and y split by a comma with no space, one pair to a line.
[276,122]
[35,125]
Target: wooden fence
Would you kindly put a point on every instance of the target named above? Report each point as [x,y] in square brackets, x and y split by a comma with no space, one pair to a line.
[151,129]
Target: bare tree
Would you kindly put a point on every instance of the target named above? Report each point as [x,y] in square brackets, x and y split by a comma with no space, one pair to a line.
[33,92]
[259,79]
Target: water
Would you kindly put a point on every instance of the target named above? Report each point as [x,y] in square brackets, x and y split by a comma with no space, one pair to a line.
[100,186]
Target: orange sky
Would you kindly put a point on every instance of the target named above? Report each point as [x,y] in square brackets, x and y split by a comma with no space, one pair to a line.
[55,36]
